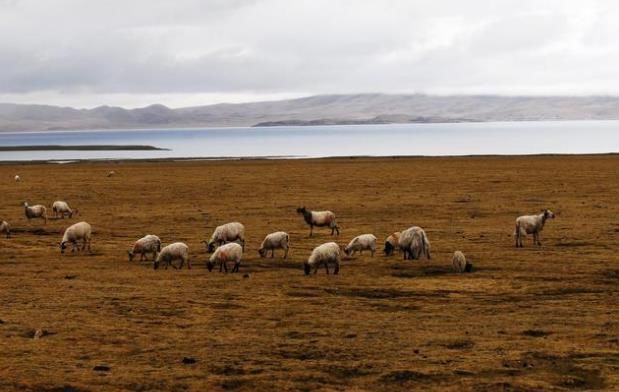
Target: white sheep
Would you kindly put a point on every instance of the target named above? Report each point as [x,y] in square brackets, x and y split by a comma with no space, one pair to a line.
[361,243]
[80,231]
[17,178]
[62,208]
[392,243]
[324,254]
[414,243]
[37,211]
[531,224]
[147,244]
[228,252]
[5,228]
[277,240]
[460,263]
[233,231]
[319,219]
[175,251]
[111,173]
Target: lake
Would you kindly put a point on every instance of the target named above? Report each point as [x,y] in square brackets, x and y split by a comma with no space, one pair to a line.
[533,137]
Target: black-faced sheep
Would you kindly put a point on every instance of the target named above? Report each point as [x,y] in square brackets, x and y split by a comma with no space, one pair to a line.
[319,219]
[392,243]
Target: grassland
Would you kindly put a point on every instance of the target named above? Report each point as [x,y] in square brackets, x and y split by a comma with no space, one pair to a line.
[537,318]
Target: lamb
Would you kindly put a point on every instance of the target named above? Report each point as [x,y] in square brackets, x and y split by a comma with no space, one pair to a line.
[414,243]
[460,263]
[319,219]
[81,231]
[228,252]
[229,232]
[36,211]
[324,254]
[62,208]
[147,244]
[17,178]
[5,228]
[175,251]
[392,243]
[361,243]
[531,224]
[277,240]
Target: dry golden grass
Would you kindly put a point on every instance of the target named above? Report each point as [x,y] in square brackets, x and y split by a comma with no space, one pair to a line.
[527,319]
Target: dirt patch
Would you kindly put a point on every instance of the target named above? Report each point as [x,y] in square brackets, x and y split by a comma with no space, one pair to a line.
[403,271]
[536,333]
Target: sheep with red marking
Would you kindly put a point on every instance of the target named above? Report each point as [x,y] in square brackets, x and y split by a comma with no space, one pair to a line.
[229,232]
[38,211]
[228,252]
[277,240]
[147,244]
[172,252]
[392,243]
[361,243]
[531,224]
[319,219]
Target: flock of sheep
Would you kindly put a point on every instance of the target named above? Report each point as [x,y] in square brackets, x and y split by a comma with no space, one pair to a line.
[227,243]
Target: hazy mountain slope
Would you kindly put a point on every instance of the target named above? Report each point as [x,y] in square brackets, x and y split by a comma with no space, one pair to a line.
[315,109]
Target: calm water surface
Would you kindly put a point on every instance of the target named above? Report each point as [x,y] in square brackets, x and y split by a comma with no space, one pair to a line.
[565,137]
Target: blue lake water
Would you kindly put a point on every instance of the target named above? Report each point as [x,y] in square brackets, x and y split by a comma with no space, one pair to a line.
[535,137]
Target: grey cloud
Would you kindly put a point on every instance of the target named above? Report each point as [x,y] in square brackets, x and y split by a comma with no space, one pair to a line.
[277,46]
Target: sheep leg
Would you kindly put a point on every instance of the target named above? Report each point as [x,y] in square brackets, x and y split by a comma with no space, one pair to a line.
[272,252]
[225,266]
[236,266]
[286,254]
[336,270]
[311,230]
[327,268]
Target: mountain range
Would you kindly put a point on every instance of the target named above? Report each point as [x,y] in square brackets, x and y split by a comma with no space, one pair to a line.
[315,110]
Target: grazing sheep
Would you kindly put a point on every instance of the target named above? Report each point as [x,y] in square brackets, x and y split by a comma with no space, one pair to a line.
[5,228]
[319,219]
[277,240]
[147,244]
[17,178]
[36,211]
[531,224]
[414,243]
[323,254]
[175,251]
[392,243]
[361,243]
[111,173]
[460,263]
[226,233]
[228,252]
[80,231]
[62,208]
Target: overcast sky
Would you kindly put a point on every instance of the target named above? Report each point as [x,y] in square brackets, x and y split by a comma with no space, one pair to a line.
[192,52]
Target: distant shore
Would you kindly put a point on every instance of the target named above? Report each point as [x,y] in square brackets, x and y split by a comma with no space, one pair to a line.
[98,147]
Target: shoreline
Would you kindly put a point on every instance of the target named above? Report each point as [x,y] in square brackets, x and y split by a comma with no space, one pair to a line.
[301,158]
